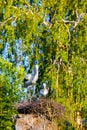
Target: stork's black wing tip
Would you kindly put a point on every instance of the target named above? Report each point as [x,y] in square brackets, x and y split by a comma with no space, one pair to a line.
[25,80]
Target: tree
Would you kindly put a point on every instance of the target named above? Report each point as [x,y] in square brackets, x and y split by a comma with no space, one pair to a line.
[10,78]
[54,33]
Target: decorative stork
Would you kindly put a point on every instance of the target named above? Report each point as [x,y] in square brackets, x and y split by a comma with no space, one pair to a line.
[31,78]
[44,91]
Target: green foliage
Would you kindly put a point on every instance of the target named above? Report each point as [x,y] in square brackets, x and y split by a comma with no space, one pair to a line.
[10,93]
[60,45]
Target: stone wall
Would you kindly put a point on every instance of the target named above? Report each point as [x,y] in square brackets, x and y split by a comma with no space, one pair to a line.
[32,122]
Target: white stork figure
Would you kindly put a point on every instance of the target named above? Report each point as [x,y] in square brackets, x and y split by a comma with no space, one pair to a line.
[31,78]
[44,91]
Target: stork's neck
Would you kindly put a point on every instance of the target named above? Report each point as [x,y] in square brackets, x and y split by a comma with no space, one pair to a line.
[36,66]
[45,88]
[35,74]
[35,70]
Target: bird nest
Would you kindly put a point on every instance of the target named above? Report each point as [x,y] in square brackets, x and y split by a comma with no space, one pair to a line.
[45,107]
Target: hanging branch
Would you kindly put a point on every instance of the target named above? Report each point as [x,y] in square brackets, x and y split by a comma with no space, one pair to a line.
[68,31]
[78,20]
[3,23]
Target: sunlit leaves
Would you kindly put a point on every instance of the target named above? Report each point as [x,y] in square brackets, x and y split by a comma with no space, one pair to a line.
[10,92]
[55,34]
